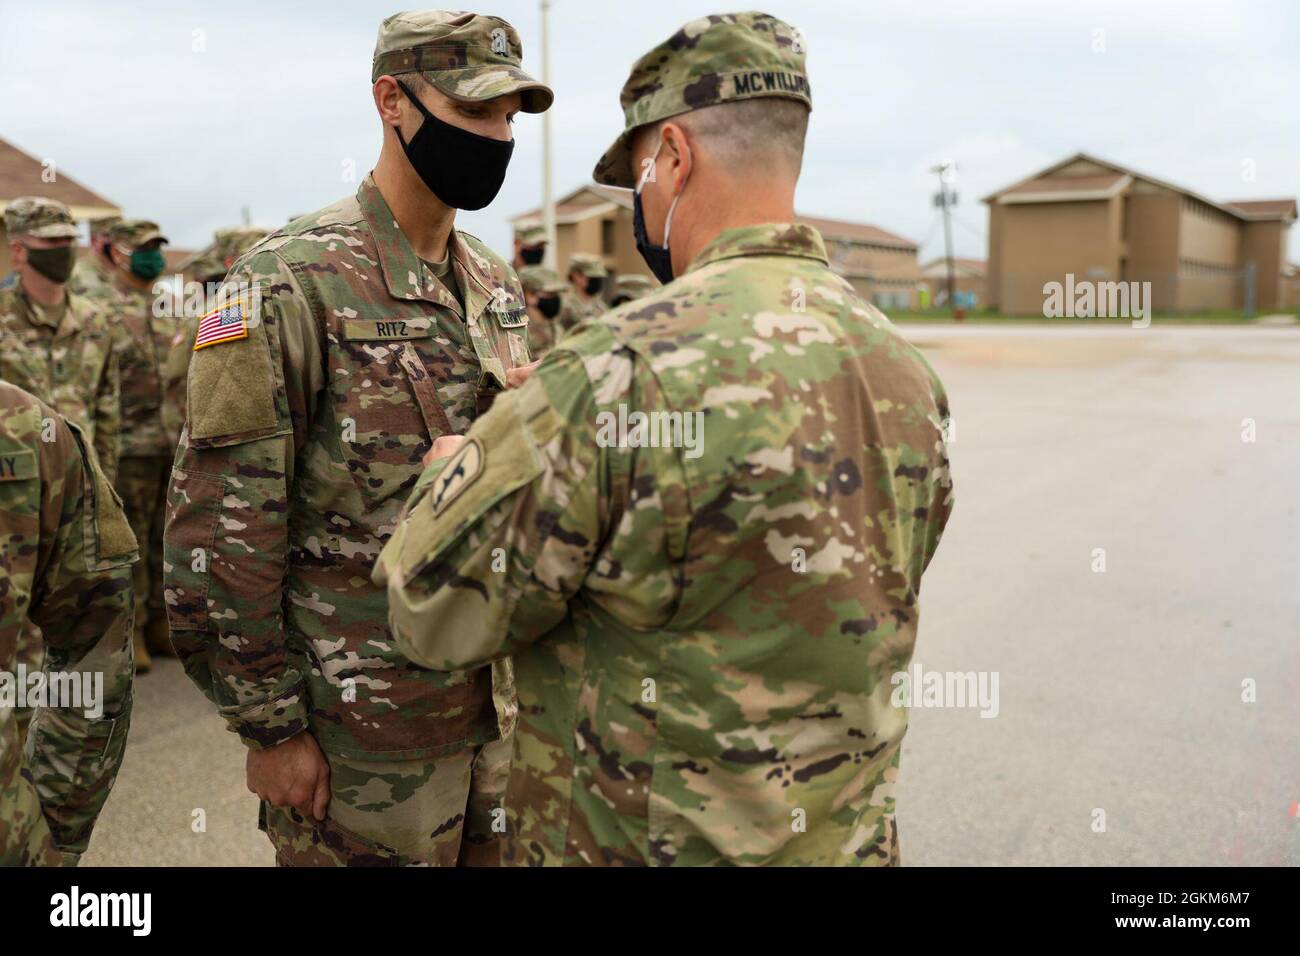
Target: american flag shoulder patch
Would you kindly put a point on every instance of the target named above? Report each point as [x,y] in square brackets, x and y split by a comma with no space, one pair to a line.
[223,324]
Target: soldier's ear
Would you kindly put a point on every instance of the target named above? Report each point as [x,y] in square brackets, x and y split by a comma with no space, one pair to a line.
[388,100]
[677,146]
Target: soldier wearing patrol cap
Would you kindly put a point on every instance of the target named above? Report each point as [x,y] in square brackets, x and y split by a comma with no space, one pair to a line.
[549,315]
[530,243]
[629,287]
[142,339]
[369,329]
[587,275]
[93,275]
[700,525]
[56,345]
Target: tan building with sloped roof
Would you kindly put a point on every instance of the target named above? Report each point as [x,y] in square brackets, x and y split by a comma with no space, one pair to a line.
[597,219]
[1105,223]
[24,175]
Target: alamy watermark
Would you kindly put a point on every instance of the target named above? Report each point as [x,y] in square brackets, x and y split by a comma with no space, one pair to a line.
[915,687]
[70,690]
[1086,299]
[639,429]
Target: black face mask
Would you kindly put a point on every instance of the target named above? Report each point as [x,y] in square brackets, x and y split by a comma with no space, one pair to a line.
[461,168]
[55,264]
[549,306]
[595,284]
[533,257]
[657,258]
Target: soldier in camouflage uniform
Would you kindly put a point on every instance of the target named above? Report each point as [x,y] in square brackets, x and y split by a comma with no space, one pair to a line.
[142,339]
[587,275]
[65,548]
[530,244]
[548,314]
[629,287]
[56,345]
[700,525]
[207,268]
[371,328]
[93,275]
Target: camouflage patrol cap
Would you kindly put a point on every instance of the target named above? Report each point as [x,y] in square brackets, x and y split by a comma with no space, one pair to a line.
[716,59]
[586,264]
[465,55]
[633,286]
[227,245]
[530,232]
[541,279]
[134,233]
[40,217]
[100,225]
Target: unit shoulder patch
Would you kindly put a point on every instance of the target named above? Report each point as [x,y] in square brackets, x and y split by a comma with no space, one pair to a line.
[459,474]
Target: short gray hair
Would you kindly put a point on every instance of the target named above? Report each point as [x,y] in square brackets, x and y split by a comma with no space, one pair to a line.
[767,132]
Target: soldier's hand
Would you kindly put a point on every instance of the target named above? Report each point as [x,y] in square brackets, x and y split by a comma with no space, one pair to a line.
[517,376]
[292,774]
[442,447]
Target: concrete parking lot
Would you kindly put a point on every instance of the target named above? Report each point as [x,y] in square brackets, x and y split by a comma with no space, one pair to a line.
[1122,736]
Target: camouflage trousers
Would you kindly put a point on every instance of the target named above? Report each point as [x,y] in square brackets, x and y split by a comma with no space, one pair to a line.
[24,836]
[142,485]
[31,653]
[444,812]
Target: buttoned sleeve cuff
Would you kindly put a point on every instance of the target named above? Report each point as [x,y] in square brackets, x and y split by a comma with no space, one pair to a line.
[271,721]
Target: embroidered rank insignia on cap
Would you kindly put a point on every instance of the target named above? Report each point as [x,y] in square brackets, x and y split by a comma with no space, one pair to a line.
[223,324]
[463,468]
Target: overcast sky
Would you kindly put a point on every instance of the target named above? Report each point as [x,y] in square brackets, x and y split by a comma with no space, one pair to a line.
[271,110]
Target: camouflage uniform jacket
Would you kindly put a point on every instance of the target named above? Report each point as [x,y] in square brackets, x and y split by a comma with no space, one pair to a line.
[578,309]
[544,333]
[703,638]
[143,341]
[302,442]
[65,555]
[72,367]
[91,278]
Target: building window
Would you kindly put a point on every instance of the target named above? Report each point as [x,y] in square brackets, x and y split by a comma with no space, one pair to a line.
[607,237]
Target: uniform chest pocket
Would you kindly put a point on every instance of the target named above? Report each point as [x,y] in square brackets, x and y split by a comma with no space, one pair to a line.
[386,403]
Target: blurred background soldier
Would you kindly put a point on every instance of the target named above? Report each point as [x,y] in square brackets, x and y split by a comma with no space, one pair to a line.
[629,287]
[530,244]
[56,345]
[548,314]
[378,326]
[65,548]
[704,610]
[142,340]
[94,272]
[208,267]
[587,274]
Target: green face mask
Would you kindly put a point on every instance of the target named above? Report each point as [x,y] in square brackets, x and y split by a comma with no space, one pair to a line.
[55,264]
[147,263]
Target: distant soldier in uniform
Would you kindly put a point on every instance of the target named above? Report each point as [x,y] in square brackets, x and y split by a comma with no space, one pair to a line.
[56,345]
[371,328]
[530,244]
[66,550]
[587,274]
[547,320]
[142,340]
[629,287]
[93,275]
[700,525]
[207,268]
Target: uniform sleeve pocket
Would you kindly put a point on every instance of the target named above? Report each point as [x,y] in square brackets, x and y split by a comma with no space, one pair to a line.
[193,514]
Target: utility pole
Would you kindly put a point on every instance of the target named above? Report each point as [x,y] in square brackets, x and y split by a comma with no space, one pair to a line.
[548,206]
[946,200]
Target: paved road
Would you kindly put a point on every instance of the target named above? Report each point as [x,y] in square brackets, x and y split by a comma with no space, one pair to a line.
[1118,691]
